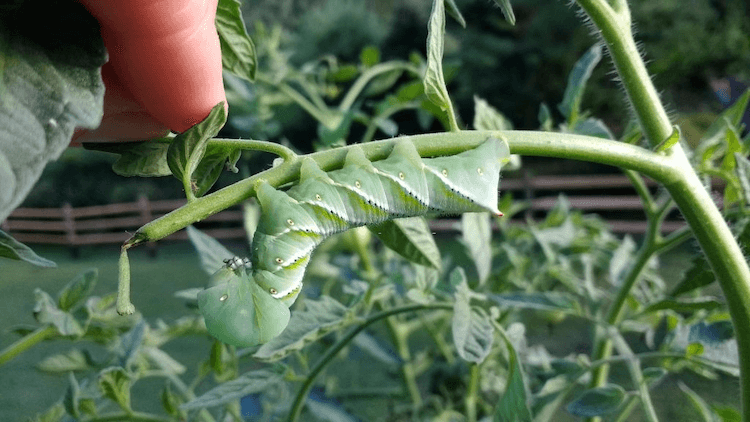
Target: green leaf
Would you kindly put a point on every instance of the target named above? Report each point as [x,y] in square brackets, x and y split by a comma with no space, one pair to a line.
[319,318]
[455,13]
[579,76]
[47,312]
[383,82]
[213,163]
[172,402]
[434,80]
[72,397]
[72,360]
[671,140]
[50,83]
[188,148]
[593,127]
[732,116]
[719,346]
[73,294]
[743,175]
[685,305]
[114,383]
[13,249]
[598,401]
[505,6]
[411,238]
[212,253]
[141,159]
[237,49]
[699,275]
[546,301]
[514,404]
[130,343]
[53,414]
[472,332]
[370,56]
[726,413]
[545,118]
[622,260]
[476,236]
[251,382]
[487,117]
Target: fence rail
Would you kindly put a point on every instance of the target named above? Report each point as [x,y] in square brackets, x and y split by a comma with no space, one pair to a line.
[611,196]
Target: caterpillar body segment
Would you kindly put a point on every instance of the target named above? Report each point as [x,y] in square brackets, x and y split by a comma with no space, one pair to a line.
[294,222]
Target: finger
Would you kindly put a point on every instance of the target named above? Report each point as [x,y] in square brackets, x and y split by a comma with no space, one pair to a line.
[166,53]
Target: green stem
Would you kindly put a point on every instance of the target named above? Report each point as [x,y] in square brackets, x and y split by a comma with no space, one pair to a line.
[333,350]
[130,417]
[248,144]
[26,342]
[695,203]
[634,367]
[470,401]
[603,345]
[547,144]
[400,337]
[359,85]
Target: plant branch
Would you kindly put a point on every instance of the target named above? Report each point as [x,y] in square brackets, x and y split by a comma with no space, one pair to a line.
[547,144]
[333,350]
[249,144]
[711,230]
[26,342]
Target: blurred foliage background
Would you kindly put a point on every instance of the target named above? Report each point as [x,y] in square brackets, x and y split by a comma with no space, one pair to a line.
[689,44]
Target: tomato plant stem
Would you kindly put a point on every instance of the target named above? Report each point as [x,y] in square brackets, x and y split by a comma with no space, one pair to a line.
[26,342]
[698,208]
[327,358]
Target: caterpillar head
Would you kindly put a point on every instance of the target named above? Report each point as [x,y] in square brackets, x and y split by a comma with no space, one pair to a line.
[239,312]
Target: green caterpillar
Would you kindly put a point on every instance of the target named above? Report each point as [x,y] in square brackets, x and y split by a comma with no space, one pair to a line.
[249,303]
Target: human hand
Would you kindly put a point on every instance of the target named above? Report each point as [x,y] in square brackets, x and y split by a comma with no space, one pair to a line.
[164,69]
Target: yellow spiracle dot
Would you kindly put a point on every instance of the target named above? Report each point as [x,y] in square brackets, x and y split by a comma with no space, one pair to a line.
[318,197]
[401,175]
[279,261]
[480,171]
[445,172]
[357,184]
[272,291]
[290,222]
[223,297]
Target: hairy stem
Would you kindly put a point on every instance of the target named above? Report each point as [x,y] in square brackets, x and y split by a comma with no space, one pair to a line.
[710,228]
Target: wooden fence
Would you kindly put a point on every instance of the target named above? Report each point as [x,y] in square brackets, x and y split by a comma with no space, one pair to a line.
[611,196]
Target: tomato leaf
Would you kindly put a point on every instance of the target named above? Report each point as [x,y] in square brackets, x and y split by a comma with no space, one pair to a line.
[257,381]
[142,159]
[73,294]
[50,84]
[434,80]
[188,148]
[514,404]
[598,401]
[472,330]
[505,6]
[13,249]
[579,76]
[237,49]
[410,238]
[476,235]
[115,385]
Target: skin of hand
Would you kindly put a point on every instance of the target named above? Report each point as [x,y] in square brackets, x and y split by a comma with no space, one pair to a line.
[164,68]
